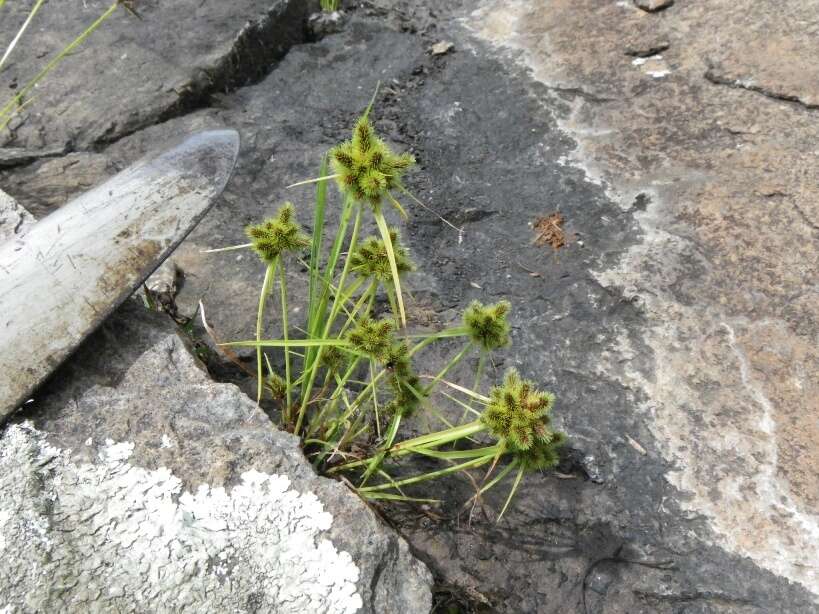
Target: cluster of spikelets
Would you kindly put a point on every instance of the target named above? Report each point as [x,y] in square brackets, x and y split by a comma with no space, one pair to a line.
[518,415]
[277,235]
[370,259]
[375,338]
[407,391]
[276,386]
[487,324]
[366,167]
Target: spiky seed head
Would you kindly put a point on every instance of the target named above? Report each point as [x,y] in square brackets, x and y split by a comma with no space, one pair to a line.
[521,435]
[487,325]
[407,394]
[276,386]
[541,455]
[332,359]
[517,414]
[363,135]
[372,337]
[370,259]
[366,166]
[343,156]
[277,235]
[398,361]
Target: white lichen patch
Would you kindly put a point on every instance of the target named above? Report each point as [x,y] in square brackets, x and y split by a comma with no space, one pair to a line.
[113,537]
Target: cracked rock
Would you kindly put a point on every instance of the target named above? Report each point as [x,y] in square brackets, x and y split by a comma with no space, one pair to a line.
[166,63]
[134,483]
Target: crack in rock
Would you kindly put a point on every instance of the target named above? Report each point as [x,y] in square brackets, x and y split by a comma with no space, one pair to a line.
[748,84]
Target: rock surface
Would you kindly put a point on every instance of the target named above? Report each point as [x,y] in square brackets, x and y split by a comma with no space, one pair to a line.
[677,326]
[133,483]
[723,182]
[191,51]
[14,220]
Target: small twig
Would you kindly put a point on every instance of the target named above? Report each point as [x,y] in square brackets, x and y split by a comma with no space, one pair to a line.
[223,349]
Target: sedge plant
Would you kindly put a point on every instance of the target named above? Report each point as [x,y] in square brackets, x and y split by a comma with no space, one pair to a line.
[350,378]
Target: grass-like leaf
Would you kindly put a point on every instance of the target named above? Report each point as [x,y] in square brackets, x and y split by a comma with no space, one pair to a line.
[385,236]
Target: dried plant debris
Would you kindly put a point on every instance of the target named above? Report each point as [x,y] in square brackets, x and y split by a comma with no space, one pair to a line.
[549,231]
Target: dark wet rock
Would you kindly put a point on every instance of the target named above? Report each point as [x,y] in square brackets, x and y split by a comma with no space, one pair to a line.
[135,483]
[614,534]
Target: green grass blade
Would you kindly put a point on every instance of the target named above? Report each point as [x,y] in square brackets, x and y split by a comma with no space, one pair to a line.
[268,277]
[450,365]
[295,343]
[6,113]
[385,236]
[337,302]
[372,100]
[287,375]
[20,32]
[475,462]
[518,478]
[319,311]
[459,454]
[315,246]
[394,497]
[323,179]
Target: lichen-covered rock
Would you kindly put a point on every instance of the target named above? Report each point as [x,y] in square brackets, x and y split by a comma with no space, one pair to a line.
[135,484]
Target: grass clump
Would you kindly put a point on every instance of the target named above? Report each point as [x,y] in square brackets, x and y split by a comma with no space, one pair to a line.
[350,380]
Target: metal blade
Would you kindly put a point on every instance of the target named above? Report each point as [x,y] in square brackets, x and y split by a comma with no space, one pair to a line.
[64,276]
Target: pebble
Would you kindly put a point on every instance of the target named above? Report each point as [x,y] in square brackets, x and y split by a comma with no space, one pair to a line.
[652,6]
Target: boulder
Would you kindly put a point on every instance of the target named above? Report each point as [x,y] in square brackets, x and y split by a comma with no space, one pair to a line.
[134,483]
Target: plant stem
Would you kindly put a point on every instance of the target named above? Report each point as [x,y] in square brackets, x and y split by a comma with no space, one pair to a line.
[442,373]
[515,485]
[375,399]
[478,374]
[393,305]
[431,440]
[459,331]
[367,297]
[477,462]
[283,286]
[331,318]
[441,437]
[317,310]
[268,277]
[385,236]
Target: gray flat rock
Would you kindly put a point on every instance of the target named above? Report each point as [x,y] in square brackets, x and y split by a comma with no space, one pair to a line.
[157,71]
[135,484]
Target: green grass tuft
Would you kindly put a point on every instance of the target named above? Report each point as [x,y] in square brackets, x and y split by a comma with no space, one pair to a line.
[351,380]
